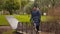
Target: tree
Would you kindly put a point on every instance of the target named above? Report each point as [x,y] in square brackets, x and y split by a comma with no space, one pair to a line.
[46,3]
[11,5]
[29,7]
[24,3]
[1,5]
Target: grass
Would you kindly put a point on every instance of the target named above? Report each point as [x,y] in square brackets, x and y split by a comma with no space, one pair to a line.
[46,18]
[23,18]
[26,18]
[3,20]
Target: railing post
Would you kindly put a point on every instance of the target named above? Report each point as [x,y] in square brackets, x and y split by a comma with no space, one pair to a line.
[26,27]
[22,26]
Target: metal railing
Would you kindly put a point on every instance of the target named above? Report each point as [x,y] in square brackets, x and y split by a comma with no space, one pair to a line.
[27,28]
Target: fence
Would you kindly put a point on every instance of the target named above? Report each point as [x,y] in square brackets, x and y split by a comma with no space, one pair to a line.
[51,26]
[27,28]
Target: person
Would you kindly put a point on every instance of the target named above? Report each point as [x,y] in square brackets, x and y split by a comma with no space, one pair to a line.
[35,17]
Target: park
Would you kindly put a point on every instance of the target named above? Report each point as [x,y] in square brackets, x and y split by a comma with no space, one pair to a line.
[15,16]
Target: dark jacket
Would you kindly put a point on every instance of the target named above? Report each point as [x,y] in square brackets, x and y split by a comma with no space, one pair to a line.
[36,16]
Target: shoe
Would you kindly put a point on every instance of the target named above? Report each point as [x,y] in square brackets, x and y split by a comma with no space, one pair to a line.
[39,31]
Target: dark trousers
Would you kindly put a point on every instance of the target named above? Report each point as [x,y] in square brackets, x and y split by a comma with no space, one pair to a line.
[37,27]
[37,22]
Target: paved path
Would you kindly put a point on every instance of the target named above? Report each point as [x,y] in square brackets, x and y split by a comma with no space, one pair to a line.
[12,21]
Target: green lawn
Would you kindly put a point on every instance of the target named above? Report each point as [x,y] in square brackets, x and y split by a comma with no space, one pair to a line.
[26,18]
[3,20]
[22,18]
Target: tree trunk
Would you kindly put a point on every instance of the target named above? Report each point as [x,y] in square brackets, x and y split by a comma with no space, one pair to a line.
[10,11]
